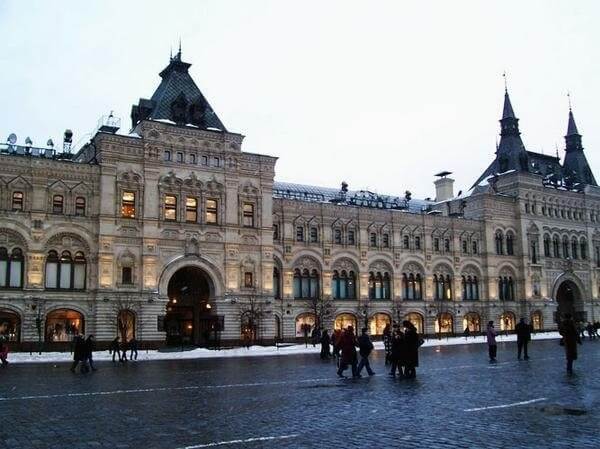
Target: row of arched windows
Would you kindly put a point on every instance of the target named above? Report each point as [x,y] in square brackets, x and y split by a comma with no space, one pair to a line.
[412,285]
[470,288]
[11,268]
[574,249]
[442,286]
[506,288]
[379,285]
[306,283]
[65,271]
[503,247]
[58,205]
[343,285]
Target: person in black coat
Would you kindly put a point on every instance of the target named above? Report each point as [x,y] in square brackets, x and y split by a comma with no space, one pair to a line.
[411,353]
[90,347]
[133,348]
[325,343]
[79,355]
[365,346]
[398,353]
[115,349]
[523,331]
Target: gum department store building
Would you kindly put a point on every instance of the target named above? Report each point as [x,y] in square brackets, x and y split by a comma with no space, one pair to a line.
[173,234]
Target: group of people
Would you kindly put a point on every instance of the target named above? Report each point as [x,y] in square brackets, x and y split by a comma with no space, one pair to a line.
[119,350]
[401,346]
[590,328]
[570,333]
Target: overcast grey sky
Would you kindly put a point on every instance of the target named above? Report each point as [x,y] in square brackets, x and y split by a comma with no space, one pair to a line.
[380,94]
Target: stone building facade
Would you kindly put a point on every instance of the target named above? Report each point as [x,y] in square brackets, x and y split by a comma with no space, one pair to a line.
[172,234]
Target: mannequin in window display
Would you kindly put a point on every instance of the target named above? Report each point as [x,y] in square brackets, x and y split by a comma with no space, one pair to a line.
[348,345]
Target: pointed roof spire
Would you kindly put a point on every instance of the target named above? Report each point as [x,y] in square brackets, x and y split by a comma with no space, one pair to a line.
[572,127]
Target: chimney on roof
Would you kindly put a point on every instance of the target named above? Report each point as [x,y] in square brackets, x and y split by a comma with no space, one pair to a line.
[444,186]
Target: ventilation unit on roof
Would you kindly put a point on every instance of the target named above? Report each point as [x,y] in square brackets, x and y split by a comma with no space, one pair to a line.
[109,123]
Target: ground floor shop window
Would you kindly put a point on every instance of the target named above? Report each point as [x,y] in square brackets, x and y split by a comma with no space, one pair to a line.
[63,324]
[12,325]
[472,322]
[305,324]
[378,322]
[416,319]
[344,320]
[444,323]
[126,324]
[507,321]
[537,320]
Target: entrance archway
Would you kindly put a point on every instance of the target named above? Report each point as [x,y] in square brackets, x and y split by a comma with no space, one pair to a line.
[568,297]
[190,317]
[12,322]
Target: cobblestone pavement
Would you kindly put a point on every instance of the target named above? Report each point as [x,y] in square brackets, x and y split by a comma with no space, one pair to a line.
[457,401]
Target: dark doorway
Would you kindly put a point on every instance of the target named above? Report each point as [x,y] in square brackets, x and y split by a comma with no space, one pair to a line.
[568,297]
[190,317]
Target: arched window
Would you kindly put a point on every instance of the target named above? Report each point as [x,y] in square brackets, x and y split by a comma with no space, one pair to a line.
[80,206]
[11,268]
[555,247]
[405,242]
[470,288]
[57,204]
[276,283]
[506,288]
[126,325]
[412,286]
[444,323]
[379,285]
[17,201]
[306,283]
[583,248]
[373,240]
[507,321]
[499,243]
[305,323]
[378,322]
[546,245]
[12,320]
[343,320]
[442,286]
[510,242]
[63,324]
[472,321]
[417,242]
[537,321]
[337,236]
[574,248]
[416,319]
[474,246]
[64,272]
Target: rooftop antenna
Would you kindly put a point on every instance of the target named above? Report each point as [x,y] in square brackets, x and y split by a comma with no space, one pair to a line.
[505,81]
[569,99]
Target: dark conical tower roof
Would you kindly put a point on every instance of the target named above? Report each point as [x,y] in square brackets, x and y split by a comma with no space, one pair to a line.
[576,168]
[507,111]
[177,99]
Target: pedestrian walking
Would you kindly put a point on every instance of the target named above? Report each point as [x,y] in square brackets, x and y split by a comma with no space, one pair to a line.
[491,341]
[79,355]
[124,347]
[315,336]
[325,345]
[335,341]
[348,345]
[133,348]
[115,349]
[570,338]
[411,345]
[365,347]
[398,353]
[523,331]
[3,344]
[90,347]
[590,331]
[467,332]
[387,343]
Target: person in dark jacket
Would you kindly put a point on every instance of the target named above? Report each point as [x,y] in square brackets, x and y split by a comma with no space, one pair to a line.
[348,349]
[3,344]
[523,337]
[570,338]
[387,342]
[133,348]
[491,341]
[325,343]
[79,355]
[365,346]
[90,347]
[115,349]
[411,344]
[398,353]
[335,341]
[124,348]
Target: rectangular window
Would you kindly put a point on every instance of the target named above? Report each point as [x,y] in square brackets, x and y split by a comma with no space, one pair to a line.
[373,240]
[80,206]
[447,245]
[191,210]
[406,242]
[179,157]
[79,276]
[128,204]
[127,276]
[474,247]
[204,160]
[192,158]
[17,201]
[386,240]
[248,215]
[299,233]
[436,244]
[275,232]
[216,162]
[167,156]
[57,204]
[417,242]
[170,207]
[248,281]
[314,235]
[351,237]
[465,247]
[212,211]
